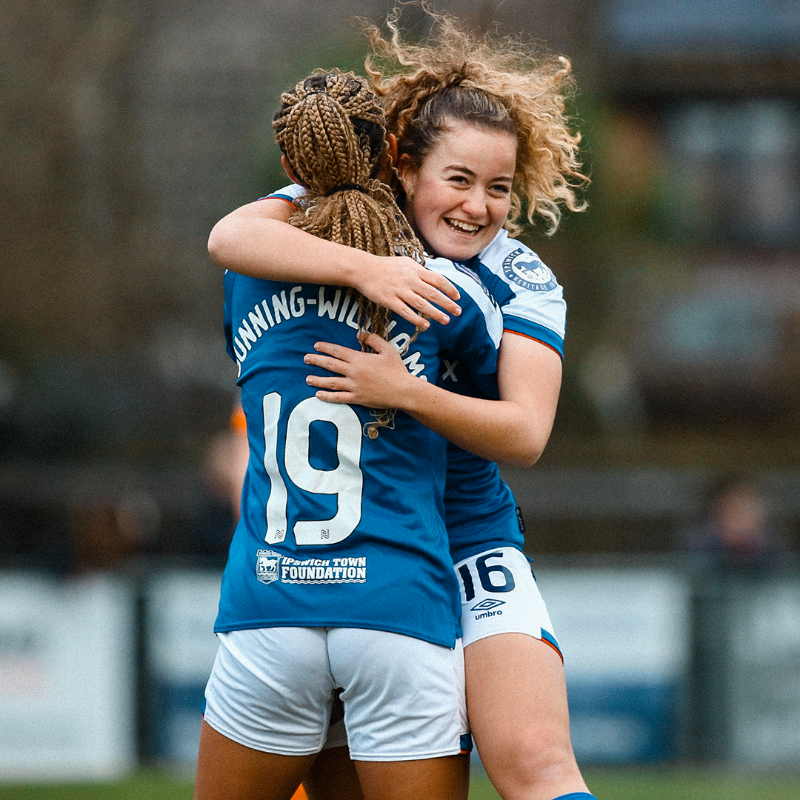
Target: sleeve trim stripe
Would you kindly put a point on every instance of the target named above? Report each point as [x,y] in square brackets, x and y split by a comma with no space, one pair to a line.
[279,197]
[539,333]
[548,638]
[533,338]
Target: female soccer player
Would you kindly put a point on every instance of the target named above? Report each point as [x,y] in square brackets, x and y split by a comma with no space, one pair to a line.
[481,129]
[339,578]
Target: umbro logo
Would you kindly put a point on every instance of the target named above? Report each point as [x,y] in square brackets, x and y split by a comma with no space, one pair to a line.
[485,605]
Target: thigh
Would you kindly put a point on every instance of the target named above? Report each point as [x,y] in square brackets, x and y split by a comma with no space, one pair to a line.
[499,595]
[403,697]
[333,776]
[271,690]
[517,703]
[227,770]
[445,778]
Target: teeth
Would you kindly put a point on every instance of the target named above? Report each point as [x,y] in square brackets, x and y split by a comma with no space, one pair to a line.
[467,227]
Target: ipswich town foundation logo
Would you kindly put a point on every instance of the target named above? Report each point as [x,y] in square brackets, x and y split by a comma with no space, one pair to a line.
[524,268]
[272,566]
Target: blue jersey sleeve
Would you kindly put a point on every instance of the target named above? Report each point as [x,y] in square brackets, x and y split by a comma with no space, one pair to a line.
[530,296]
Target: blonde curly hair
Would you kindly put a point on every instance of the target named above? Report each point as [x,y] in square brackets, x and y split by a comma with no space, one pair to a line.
[498,83]
[331,129]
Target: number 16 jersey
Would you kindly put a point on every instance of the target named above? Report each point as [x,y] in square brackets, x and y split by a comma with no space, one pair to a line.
[337,529]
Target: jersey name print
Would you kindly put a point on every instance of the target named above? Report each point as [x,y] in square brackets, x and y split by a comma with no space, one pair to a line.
[333,302]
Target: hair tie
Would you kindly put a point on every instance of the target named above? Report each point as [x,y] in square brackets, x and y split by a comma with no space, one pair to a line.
[343,187]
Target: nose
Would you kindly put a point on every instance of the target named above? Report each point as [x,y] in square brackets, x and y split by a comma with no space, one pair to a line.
[474,203]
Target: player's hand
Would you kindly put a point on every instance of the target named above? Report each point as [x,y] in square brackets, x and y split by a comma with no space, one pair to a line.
[416,294]
[366,379]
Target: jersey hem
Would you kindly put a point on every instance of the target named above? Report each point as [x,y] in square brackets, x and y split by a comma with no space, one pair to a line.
[246,626]
[450,751]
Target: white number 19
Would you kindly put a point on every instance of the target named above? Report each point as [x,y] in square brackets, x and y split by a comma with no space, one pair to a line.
[346,480]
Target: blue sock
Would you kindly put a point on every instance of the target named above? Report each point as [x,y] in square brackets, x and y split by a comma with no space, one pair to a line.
[576,796]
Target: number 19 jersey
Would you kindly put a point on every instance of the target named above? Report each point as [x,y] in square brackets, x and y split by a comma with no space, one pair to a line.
[337,529]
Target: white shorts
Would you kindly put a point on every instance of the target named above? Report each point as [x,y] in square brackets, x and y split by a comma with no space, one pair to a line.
[499,595]
[272,689]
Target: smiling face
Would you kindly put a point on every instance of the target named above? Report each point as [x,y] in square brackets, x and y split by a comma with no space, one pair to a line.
[458,198]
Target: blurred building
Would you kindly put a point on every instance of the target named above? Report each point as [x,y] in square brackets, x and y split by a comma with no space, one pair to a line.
[703,175]
[682,276]
[128,129]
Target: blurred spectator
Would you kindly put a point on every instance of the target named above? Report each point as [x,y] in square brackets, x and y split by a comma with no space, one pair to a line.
[737,531]
[107,535]
[609,380]
[223,474]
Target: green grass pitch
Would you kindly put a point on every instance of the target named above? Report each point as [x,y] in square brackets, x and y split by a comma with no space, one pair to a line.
[607,784]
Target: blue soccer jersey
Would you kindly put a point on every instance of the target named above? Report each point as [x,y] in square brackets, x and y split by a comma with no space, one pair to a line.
[339,530]
[480,509]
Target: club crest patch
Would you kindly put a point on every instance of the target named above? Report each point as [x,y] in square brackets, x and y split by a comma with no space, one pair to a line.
[267,564]
[525,269]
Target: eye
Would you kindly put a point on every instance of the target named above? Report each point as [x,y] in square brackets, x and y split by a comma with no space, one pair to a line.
[460,180]
[501,189]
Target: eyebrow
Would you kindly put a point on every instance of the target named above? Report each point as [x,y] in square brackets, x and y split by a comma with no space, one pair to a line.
[467,171]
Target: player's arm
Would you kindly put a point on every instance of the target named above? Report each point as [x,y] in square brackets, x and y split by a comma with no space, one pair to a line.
[513,430]
[257,240]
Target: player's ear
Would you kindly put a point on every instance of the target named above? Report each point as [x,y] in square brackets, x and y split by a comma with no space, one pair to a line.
[391,146]
[287,168]
[407,172]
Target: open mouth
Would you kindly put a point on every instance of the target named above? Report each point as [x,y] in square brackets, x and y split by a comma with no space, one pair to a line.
[457,225]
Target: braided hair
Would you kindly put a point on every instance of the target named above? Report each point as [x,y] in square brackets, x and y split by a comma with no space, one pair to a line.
[331,129]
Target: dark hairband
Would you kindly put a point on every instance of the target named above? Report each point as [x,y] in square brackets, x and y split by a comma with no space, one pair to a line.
[343,187]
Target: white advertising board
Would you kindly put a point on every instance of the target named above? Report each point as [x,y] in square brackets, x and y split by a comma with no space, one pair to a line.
[764,673]
[624,633]
[66,678]
[181,646]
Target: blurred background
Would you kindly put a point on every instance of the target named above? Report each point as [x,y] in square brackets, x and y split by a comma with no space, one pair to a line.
[664,516]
